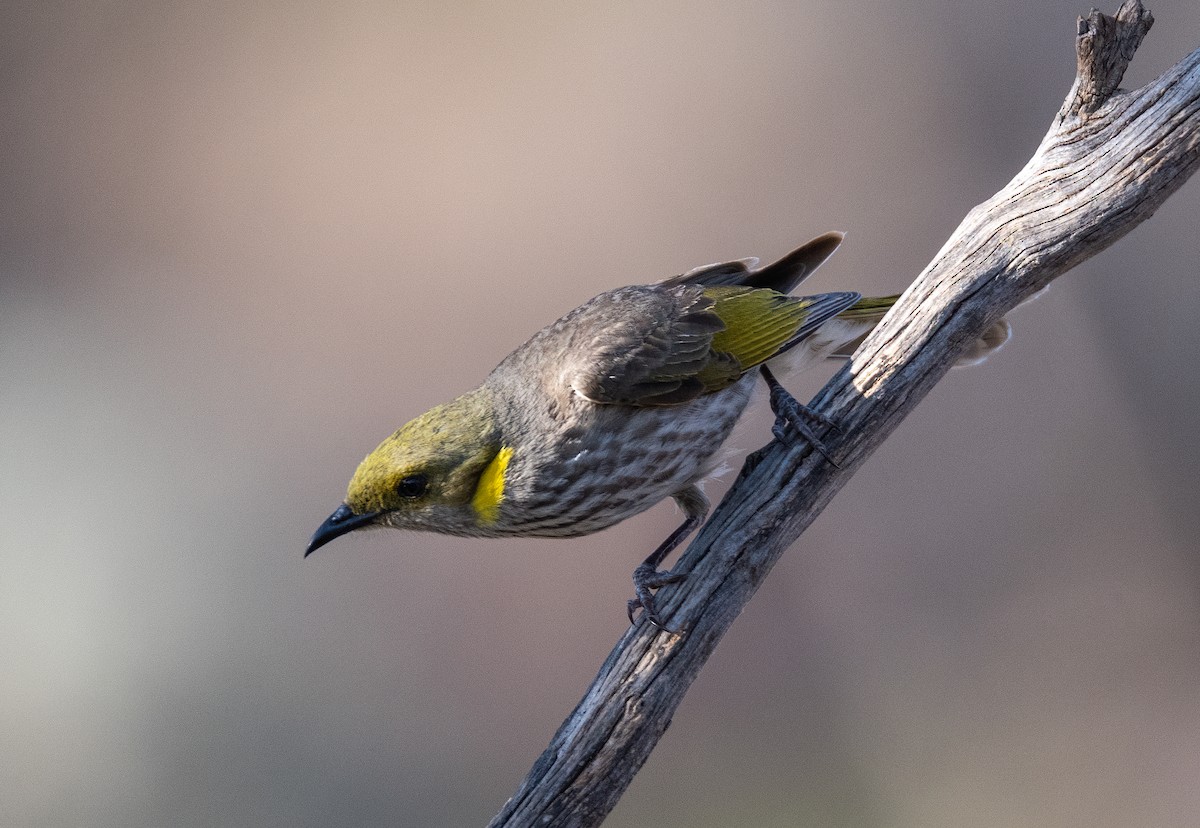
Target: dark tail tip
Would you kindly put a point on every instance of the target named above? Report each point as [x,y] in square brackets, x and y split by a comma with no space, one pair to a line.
[798,265]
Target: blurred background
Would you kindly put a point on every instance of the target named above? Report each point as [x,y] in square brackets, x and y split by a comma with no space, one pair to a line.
[240,243]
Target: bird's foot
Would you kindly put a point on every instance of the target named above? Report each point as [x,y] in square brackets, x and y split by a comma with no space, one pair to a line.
[794,418]
[646,579]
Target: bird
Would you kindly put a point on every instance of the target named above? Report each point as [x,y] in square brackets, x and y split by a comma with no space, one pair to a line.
[621,403]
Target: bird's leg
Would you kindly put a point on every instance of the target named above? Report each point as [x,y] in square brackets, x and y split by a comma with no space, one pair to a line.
[647,577]
[791,413]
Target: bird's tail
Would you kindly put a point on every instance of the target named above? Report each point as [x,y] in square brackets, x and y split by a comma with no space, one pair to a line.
[841,335]
[781,276]
[860,319]
[785,274]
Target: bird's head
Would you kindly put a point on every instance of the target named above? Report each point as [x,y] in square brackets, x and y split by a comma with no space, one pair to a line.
[442,472]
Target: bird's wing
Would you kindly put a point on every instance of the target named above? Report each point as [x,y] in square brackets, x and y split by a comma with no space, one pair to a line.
[643,346]
[761,324]
[721,273]
[662,345]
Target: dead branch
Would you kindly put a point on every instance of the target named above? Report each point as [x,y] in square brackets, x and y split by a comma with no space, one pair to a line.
[1110,159]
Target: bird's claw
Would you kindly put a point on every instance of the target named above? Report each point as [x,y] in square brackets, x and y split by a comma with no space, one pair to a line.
[793,417]
[646,579]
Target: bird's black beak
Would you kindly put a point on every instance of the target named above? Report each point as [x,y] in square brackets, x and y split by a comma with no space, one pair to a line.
[338,524]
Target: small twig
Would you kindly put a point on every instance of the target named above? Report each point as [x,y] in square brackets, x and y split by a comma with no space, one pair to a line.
[1104,48]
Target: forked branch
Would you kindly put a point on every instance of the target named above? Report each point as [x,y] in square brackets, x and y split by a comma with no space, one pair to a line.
[1110,159]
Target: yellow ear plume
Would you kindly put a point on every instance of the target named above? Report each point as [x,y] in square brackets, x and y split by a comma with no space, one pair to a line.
[490,491]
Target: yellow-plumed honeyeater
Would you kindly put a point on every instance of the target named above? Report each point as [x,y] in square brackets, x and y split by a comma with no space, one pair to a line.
[624,401]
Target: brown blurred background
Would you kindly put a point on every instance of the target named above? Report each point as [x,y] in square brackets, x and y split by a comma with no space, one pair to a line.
[240,243]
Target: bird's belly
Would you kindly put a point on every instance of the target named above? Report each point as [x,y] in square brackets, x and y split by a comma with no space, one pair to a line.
[619,462]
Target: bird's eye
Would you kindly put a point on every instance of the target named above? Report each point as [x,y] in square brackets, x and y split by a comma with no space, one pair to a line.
[412,486]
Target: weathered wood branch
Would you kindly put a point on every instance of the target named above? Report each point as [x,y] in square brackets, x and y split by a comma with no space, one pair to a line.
[1110,159]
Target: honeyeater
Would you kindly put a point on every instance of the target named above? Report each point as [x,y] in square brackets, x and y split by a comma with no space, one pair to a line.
[624,401]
